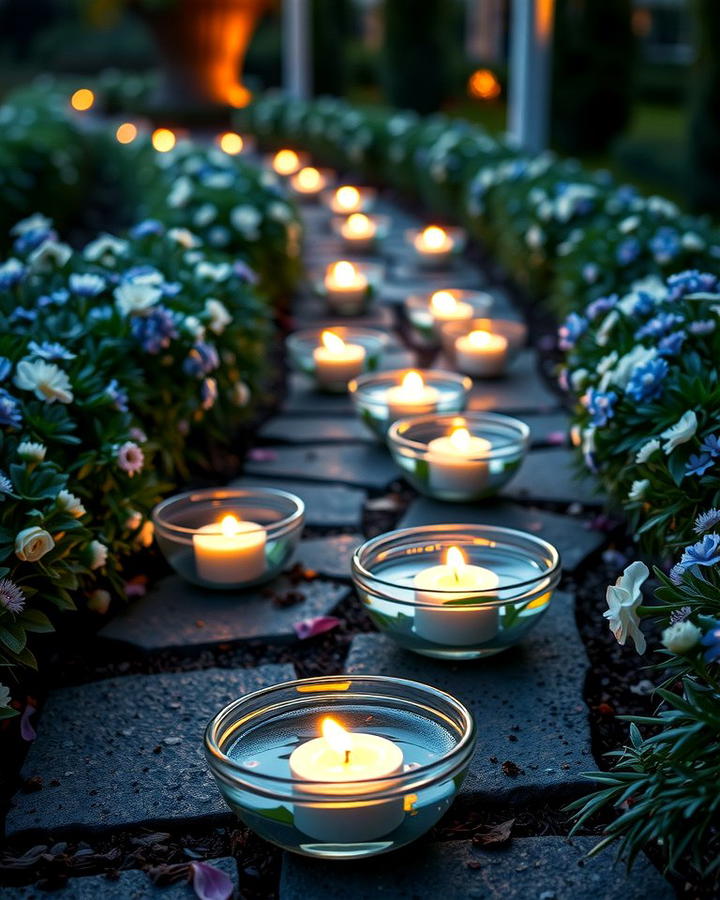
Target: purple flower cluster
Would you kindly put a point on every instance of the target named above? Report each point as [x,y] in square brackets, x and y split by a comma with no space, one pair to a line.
[628,251]
[571,331]
[201,360]
[691,281]
[646,381]
[699,463]
[154,331]
[665,245]
[659,325]
[600,405]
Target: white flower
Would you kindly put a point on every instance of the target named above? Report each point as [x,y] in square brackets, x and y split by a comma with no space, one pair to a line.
[578,379]
[692,242]
[30,451]
[629,224]
[33,543]
[180,193]
[105,248]
[98,554]
[681,637]
[11,269]
[70,503]
[148,276]
[86,284]
[647,450]
[534,237]
[4,696]
[50,253]
[204,215]
[638,489]
[134,297]
[219,181]
[588,441]
[623,599]
[134,520]
[213,271]
[220,318]
[246,219]
[606,363]
[47,380]
[36,222]
[680,432]
[622,372]
[240,394]
[194,327]
[603,333]
[184,237]
[279,212]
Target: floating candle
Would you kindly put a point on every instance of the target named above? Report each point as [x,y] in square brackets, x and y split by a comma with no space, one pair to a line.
[358,231]
[286,162]
[308,182]
[449,617]
[481,353]
[230,552]
[411,397]
[433,245]
[347,764]
[346,287]
[337,362]
[346,199]
[445,307]
[453,463]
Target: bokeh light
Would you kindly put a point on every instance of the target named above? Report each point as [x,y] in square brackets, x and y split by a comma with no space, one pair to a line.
[126,133]
[231,143]
[82,99]
[484,85]
[163,140]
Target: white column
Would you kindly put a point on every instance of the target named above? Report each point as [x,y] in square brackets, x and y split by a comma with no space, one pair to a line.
[296,48]
[529,76]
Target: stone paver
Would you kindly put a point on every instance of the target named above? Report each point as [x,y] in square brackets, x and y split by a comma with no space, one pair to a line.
[330,556]
[313,313]
[535,868]
[127,751]
[522,390]
[326,505]
[178,615]
[360,465]
[573,539]
[527,702]
[304,399]
[548,429]
[553,476]
[331,429]
[133,885]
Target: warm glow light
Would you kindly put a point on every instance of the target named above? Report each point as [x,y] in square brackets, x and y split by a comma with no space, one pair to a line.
[480,339]
[412,383]
[285,162]
[443,302]
[456,561]
[461,439]
[339,739]
[358,224]
[239,96]
[332,342]
[433,237]
[309,179]
[230,525]
[126,133]
[347,197]
[344,274]
[231,143]
[163,140]
[82,99]
[484,85]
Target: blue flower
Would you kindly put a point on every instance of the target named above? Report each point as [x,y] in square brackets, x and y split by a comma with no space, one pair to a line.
[659,325]
[600,405]
[146,228]
[201,360]
[707,520]
[711,445]
[671,344]
[571,330]
[86,284]
[5,485]
[117,396]
[705,553]
[154,331]
[32,238]
[691,281]
[665,245]
[20,314]
[600,306]
[646,380]
[644,304]
[711,640]
[243,271]
[590,272]
[50,351]
[9,410]
[703,327]
[5,367]
[11,273]
[628,251]
[699,464]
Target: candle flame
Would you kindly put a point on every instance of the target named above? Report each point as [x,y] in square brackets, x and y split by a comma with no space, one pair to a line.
[455,559]
[433,237]
[347,197]
[460,439]
[230,525]
[285,162]
[358,224]
[309,179]
[443,302]
[480,339]
[163,139]
[337,737]
[412,383]
[332,342]
[344,273]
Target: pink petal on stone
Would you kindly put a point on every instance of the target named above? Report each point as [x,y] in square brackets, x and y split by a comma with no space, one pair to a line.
[557,438]
[262,454]
[210,883]
[308,628]
[27,732]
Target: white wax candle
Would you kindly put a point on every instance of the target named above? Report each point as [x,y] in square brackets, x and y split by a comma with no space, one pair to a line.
[433,245]
[308,182]
[481,353]
[453,464]
[358,231]
[286,162]
[337,362]
[345,287]
[346,199]
[230,552]
[410,398]
[340,759]
[445,307]
[444,623]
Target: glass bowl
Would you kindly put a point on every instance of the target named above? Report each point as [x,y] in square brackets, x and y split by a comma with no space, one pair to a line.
[494,607]
[190,533]
[487,362]
[427,328]
[459,469]
[369,396]
[301,347]
[438,259]
[249,744]
[352,302]
[361,244]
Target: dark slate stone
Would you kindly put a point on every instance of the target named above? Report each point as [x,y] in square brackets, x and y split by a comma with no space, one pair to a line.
[326,506]
[361,465]
[315,314]
[399,358]
[572,537]
[329,556]
[330,430]
[527,702]
[534,868]
[178,615]
[133,885]
[552,476]
[304,398]
[548,429]
[127,751]
[522,390]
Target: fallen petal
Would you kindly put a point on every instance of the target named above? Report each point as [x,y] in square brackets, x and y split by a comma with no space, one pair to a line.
[27,732]
[210,883]
[262,454]
[308,628]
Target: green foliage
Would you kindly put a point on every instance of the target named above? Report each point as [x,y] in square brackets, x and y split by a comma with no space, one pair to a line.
[704,144]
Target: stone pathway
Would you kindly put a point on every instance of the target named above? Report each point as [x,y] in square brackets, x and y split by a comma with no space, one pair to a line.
[126,752]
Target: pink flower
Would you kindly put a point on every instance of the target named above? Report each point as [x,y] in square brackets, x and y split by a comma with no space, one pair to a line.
[130,458]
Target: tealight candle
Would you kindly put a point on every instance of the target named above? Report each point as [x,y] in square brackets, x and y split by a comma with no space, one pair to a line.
[411,397]
[358,231]
[453,464]
[449,617]
[230,551]
[433,245]
[481,353]
[286,162]
[445,307]
[308,182]
[345,762]
[346,287]
[346,199]
[337,362]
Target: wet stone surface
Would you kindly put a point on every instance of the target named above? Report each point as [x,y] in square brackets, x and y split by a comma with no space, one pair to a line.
[522,390]
[326,505]
[329,557]
[178,615]
[331,429]
[127,752]
[527,701]
[552,476]
[538,868]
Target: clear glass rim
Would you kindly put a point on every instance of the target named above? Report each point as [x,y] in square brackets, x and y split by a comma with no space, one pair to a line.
[513,329]
[299,341]
[312,791]
[358,387]
[207,494]
[476,299]
[420,448]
